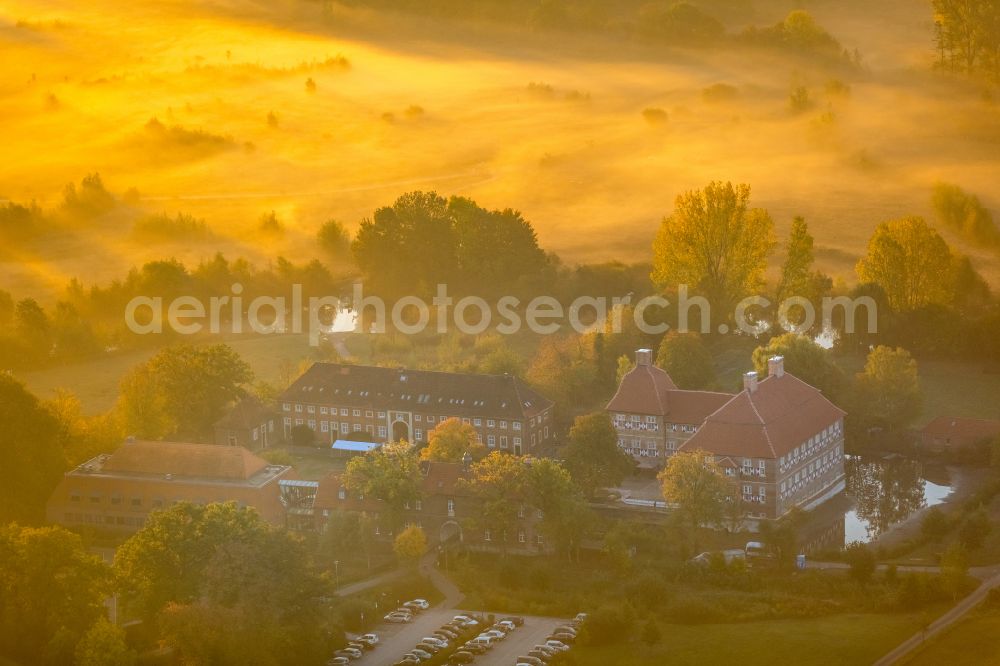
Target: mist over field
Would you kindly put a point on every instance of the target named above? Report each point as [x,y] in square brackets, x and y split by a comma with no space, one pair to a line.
[226,111]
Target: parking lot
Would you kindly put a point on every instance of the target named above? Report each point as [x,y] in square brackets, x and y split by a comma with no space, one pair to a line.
[397,639]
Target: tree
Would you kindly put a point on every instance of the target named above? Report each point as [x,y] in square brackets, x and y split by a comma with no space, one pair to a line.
[974,530]
[625,366]
[968,34]
[104,645]
[498,482]
[797,276]
[410,545]
[389,473]
[693,481]
[592,454]
[715,244]
[83,436]
[302,435]
[910,261]
[861,561]
[51,591]
[30,448]
[450,440]
[806,360]
[687,360]
[33,329]
[183,391]
[565,369]
[935,524]
[334,239]
[889,388]
[955,569]
[565,516]
[165,561]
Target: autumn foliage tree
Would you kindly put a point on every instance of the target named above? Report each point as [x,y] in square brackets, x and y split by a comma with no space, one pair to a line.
[592,455]
[687,360]
[390,473]
[693,482]
[715,244]
[450,440]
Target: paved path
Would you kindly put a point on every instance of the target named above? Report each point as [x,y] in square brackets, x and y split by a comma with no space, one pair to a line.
[942,623]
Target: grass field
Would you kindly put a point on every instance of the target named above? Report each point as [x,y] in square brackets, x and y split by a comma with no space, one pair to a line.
[833,640]
[971,642]
[95,382]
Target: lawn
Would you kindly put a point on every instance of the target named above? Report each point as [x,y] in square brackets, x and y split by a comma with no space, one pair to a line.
[970,642]
[95,382]
[834,640]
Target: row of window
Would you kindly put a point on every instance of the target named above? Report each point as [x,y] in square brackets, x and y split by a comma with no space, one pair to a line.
[810,446]
[418,418]
[100,519]
[637,422]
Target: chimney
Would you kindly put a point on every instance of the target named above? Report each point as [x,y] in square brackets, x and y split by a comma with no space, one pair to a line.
[644,357]
[750,381]
[776,366]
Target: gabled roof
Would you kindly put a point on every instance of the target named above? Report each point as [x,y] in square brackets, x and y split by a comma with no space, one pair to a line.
[181,459]
[248,413]
[960,428]
[647,389]
[781,414]
[448,393]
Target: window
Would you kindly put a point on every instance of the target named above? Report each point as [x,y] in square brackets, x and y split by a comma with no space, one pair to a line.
[74,496]
[298,421]
[157,502]
[490,423]
[369,413]
[256,433]
[516,425]
[298,408]
[324,426]
[381,415]
[342,494]
[288,421]
[311,409]
[451,508]
[95,499]
[517,441]
[116,499]
[503,425]
[477,422]
[546,435]
[419,434]
[381,431]
[538,539]
[417,418]
[650,419]
[503,441]
[324,410]
[491,441]
[520,536]
[345,428]
[419,505]
[343,411]
[355,412]
[466,421]
[286,407]
[430,419]
[136,502]
[486,535]
[520,511]
[312,424]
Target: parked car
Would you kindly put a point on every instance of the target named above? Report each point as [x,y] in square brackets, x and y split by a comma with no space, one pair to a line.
[485,641]
[474,648]
[422,604]
[580,617]
[435,641]
[338,661]
[348,653]
[466,620]
[533,661]
[538,654]
[547,649]
[517,620]
[496,634]
[462,657]
[428,647]
[565,629]
[370,639]
[424,655]
[398,618]
[556,644]
[563,637]
[404,609]
[506,625]
[447,634]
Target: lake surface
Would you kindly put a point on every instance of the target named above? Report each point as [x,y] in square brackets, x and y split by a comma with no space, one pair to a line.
[886,491]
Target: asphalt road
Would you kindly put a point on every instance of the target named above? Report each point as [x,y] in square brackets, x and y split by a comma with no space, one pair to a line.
[395,640]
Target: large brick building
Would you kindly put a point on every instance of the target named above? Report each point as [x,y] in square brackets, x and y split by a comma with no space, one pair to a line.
[118,491]
[779,440]
[338,401]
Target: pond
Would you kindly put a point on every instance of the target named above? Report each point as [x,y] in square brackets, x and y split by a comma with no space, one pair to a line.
[886,491]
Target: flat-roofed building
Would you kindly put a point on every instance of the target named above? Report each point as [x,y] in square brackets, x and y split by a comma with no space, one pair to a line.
[117,491]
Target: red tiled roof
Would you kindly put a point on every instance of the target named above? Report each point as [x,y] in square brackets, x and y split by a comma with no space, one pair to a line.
[647,389]
[182,459]
[248,413]
[959,428]
[780,415]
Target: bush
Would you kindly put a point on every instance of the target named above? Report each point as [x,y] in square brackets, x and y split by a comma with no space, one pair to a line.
[607,626]
[654,115]
[935,524]
[277,457]
[303,435]
[695,609]
[974,529]
[862,562]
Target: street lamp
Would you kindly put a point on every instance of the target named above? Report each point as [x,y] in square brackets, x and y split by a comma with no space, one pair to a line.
[336,573]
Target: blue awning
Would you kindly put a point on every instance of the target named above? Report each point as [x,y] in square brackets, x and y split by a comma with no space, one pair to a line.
[355,447]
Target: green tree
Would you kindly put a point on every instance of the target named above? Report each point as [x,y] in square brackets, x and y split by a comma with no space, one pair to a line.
[498,482]
[806,360]
[592,455]
[182,391]
[450,440]
[910,261]
[974,530]
[31,451]
[165,561]
[955,569]
[34,330]
[693,481]
[687,360]
[104,645]
[889,388]
[935,524]
[565,516]
[715,244]
[51,591]
[410,545]
[625,366]
[861,561]
[798,279]
[968,34]
[334,239]
[389,473]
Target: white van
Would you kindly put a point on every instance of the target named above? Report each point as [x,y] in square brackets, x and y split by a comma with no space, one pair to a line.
[486,641]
